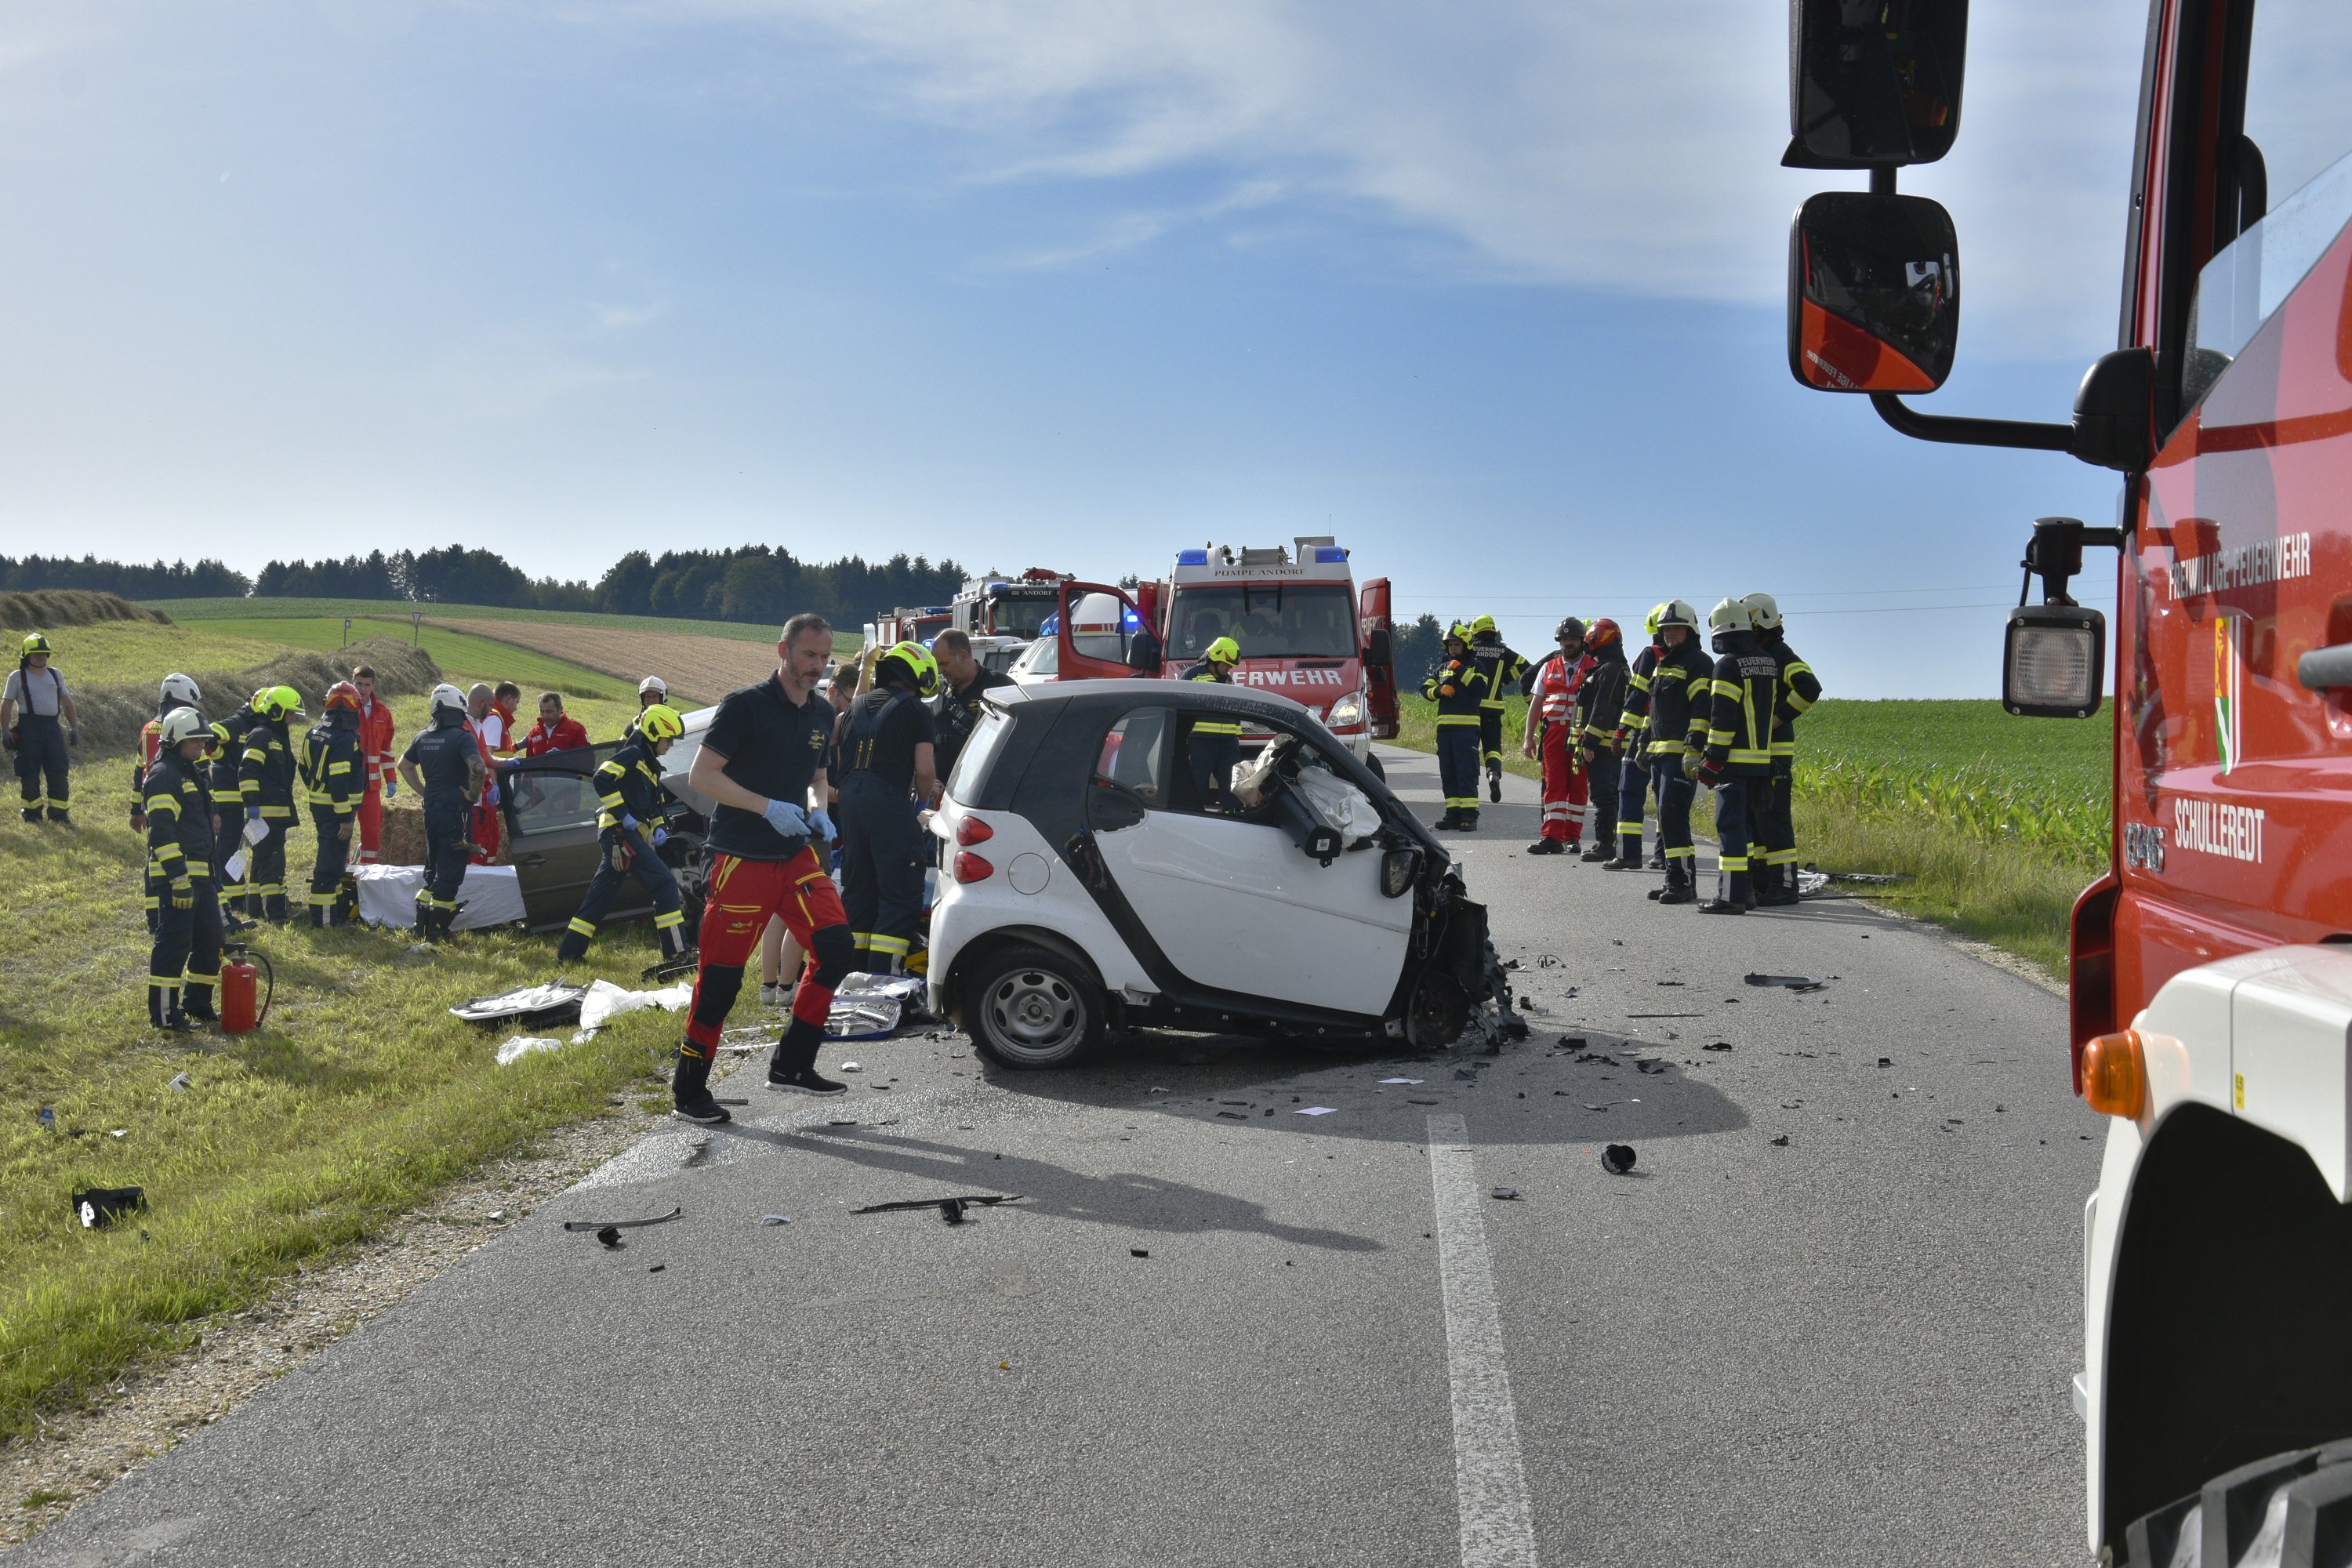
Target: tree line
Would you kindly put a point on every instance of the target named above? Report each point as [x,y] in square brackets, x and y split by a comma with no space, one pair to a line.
[756,584]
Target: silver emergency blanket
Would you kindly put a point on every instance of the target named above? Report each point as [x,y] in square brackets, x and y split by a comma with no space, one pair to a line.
[553,1002]
[870,1006]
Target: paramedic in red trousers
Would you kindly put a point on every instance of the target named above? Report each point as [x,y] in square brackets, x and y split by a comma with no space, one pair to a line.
[482,719]
[380,775]
[1551,726]
[762,763]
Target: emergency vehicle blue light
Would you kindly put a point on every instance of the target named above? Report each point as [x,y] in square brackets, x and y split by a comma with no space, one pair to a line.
[995,588]
[1192,558]
[1326,553]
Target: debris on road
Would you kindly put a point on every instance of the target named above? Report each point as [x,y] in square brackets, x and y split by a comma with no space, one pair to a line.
[521,1046]
[1416,1099]
[1155,1088]
[950,1209]
[1573,1042]
[1399,1080]
[1665,1014]
[1618,1158]
[610,1236]
[98,1208]
[657,1268]
[1792,982]
[1781,1141]
[1506,1192]
[849,1067]
[1886,1062]
[1236,1115]
[1315,1110]
[1716,1045]
[1138,1252]
[182,1083]
[601,1226]
[553,1003]
[1464,1072]
[1652,1069]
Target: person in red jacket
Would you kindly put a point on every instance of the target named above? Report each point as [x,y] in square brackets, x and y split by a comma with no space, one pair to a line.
[376,764]
[505,737]
[556,730]
[482,718]
[1551,726]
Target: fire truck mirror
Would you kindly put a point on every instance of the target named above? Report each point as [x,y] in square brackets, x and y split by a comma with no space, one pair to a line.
[2055,664]
[1874,293]
[1874,86]
[1378,650]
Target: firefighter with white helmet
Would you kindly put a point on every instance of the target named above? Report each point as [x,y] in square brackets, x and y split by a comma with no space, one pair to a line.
[177,691]
[652,691]
[1743,694]
[1679,685]
[183,965]
[1775,824]
[444,765]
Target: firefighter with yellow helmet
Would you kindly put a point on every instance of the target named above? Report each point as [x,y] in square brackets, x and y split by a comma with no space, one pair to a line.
[1458,686]
[264,781]
[1501,671]
[1630,735]
[632,826]
[1213,749]
[887,745]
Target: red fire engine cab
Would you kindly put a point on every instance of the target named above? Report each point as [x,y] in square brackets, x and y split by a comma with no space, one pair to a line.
[2212,964]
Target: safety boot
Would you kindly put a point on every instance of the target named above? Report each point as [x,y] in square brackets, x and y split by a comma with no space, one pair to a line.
[1495,783]
[1628,858]
[163,1010]
[1548,847]
[196,1004]
[1601,851]
[1730,896]
[793,1069]
[1780,887]
[1679,889]
[689,1089]
[1658,857]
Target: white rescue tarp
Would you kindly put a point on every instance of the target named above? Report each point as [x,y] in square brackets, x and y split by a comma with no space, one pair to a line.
[490,896]
[521,1046]
[606,1001]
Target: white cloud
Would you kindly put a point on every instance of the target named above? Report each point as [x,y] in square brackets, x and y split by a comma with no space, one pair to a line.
[1627,148]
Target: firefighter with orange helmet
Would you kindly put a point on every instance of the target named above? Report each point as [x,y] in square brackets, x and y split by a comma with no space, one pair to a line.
[334,770]
[1600,699]
[1551,728]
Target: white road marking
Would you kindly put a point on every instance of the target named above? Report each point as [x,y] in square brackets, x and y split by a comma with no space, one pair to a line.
[1489,1482]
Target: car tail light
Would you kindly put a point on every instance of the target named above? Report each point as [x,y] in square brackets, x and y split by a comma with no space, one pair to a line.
[973,830]
[971,868]
[2115,1075]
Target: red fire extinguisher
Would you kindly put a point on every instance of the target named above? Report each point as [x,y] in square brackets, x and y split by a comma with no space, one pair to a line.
[238,975]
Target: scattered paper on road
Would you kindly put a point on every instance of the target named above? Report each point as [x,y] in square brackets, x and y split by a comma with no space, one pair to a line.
[1399,1080]
[1315,1110]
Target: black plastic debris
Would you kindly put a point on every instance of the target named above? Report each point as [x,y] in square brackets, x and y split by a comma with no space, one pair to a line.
[610,1236]
[1546,960]
[1665,1014]
[98,1208]
[1236,1115]
[950,1209]
[1590,1106]
[1716,1045]
[1886,1062]
[1506,1194]
[1464,1072]
[601,1226]
[1573,1042]
[1618,1158]
[1652,1069]
[657,1269]
[1670,982]
[1416,1099]
[1138,1252]
[1792,982]
[1781,1141]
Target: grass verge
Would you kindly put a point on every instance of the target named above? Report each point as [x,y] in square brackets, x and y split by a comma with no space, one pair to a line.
[358,1097]
[845,638]
[480,657]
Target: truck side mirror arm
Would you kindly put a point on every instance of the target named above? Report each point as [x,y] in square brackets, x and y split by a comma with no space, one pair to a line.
[2114,425]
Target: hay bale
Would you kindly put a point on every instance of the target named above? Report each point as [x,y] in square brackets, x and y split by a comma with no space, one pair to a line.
[112,716]
[403,843]
[45,609]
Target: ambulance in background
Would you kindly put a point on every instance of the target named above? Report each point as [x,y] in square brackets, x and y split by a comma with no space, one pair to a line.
[1303,627]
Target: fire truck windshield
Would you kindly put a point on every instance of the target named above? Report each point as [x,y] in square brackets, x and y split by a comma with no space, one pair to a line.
[1018,615]
[1270,620]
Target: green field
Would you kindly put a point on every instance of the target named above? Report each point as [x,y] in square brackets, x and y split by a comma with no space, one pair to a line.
[474,657]
[141,653]
[199,610]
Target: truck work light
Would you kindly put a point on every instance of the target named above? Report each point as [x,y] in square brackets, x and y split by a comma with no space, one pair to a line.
[2053,665]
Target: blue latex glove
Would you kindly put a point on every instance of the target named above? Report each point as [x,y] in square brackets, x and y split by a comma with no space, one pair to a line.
[390,788]
[253,814]
[787,820]
[661,837]
[628,823]
[824,824]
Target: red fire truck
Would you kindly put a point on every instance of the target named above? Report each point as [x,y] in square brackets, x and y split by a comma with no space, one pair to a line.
[995,606]
[1303,628]
[2212,975]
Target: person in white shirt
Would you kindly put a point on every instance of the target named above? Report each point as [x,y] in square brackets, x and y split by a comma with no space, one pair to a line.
[36,717]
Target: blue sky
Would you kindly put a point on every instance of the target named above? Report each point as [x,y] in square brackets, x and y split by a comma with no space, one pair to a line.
[1490,291]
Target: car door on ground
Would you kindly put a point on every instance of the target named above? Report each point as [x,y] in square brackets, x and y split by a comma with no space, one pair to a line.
[1234,902]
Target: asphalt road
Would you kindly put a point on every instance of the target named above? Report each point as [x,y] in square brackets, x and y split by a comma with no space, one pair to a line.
[1851,1348]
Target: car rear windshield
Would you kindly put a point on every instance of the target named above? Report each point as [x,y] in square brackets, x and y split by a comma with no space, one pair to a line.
[972,767]
[1270,620]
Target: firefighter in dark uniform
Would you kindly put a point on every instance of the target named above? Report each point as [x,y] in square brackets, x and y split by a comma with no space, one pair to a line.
[1456,685]
[886,743]
[1213,749]
[178,691]
[333,773]
[1743,696]
[221,762]
[38,722]
[185,964]
[1679,711]
[1775,827]
[1502,671]
[1631,735]
[264,781]
[444,765]
[632,825]
[1599,703]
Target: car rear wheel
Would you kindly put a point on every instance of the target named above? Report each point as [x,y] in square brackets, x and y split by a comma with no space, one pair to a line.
[2294,1507]
[1027,1007]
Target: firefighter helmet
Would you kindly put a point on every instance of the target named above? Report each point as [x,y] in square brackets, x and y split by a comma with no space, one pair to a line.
[1677,613]
[181,691]
[34,644]
[182,724]
[1482,626]
[1570,627]
[221,736]
[448,696]
[1650,622]
[921,669]
[1730,615]
[277,702]
[1602,633]
[1457,632]
[660,722]
[1764,610]
[342,694]
[654,684]
[1224,650]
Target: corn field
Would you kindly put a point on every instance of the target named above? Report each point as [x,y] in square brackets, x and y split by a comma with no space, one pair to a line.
[1974,799]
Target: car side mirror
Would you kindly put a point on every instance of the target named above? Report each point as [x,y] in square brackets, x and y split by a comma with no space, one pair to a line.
[1874,293]
[2053,661]
[1400,869]
[1874,86]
